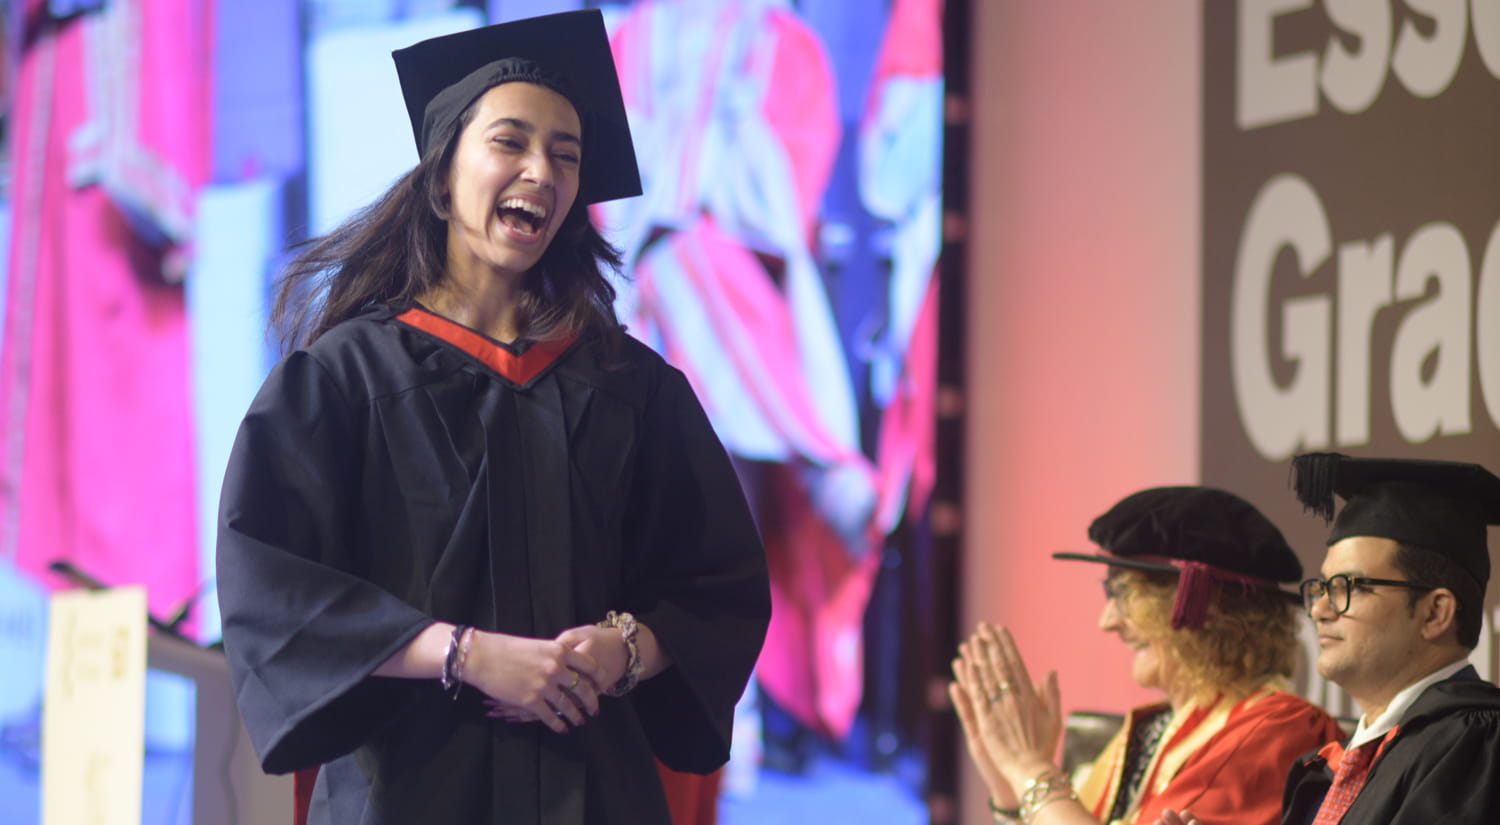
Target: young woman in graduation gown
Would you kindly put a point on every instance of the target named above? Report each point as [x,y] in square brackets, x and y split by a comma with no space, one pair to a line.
[1192,589]
[480,555]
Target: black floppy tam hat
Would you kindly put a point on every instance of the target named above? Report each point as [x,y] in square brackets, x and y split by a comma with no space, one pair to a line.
[1206,536]
[568,53]
[1440,506]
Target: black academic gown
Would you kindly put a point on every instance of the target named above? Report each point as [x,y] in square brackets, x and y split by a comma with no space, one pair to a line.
[387,477]
[1442,766]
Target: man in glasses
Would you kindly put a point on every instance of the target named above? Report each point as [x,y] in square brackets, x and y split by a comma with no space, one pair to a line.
[1397,606]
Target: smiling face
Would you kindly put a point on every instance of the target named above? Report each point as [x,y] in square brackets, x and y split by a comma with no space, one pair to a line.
[1368,649]
[511,182]
[1152,666]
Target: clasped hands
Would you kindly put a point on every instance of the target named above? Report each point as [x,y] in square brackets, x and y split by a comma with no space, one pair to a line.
[553,681]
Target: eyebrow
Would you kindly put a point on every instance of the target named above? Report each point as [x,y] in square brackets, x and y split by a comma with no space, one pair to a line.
[529,128]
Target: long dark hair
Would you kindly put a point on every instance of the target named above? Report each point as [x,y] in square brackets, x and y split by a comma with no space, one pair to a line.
[395,249]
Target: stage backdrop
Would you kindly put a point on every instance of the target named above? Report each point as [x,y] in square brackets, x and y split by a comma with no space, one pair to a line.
[1351,249]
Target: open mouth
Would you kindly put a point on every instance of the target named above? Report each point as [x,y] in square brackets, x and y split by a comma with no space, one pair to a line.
[523,216]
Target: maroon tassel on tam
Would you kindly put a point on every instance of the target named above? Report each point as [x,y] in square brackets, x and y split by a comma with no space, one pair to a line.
[1195,589]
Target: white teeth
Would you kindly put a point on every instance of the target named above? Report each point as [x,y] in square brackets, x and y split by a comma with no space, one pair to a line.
[535,210]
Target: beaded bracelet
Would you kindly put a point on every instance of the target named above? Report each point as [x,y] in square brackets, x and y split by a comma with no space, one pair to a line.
[626,624]
[453,661]
[1004,816]
[463,656]
[1044,789]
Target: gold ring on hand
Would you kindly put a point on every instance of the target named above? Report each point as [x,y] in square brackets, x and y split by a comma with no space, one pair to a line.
[1000,691]
[574,683]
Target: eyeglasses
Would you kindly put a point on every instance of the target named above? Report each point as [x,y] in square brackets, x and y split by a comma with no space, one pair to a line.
[1338,588]
[1113,590]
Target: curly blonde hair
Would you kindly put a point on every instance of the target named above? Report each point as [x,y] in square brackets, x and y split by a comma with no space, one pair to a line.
[1248,636]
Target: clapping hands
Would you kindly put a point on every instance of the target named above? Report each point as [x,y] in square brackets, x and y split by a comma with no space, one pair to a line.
[1011,725]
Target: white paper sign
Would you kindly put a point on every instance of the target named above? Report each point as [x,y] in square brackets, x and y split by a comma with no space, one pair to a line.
[94,710]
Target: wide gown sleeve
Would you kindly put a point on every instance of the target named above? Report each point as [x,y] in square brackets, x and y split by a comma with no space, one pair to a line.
[1455,778]
[302,631]
[698,580]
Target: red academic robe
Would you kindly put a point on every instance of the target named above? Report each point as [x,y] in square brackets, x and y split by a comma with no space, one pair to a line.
[759,348]
[109,143]
[1226,761]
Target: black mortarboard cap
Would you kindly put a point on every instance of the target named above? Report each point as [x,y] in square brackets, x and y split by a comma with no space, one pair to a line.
[1441,506]
[1202,533]
[568,52]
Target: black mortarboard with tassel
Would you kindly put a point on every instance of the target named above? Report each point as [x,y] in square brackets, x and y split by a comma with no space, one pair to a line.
[1206,536]
[567,52]
[1441,506]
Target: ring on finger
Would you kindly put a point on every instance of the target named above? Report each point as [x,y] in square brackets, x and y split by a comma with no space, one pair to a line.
[574,683]
[1000,691]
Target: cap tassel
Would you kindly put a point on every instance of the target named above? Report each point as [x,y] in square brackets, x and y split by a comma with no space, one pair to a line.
[1313,475]
[1195,589]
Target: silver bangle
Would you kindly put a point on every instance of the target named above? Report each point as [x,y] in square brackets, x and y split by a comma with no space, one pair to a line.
[452,674]
[1044,789]
[466,640]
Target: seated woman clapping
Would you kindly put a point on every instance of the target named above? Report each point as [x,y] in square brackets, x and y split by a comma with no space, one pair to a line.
[1192,589]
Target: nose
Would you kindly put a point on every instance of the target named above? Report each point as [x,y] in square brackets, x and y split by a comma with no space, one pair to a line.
[1321,609]
[538,169]
[1109,617]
